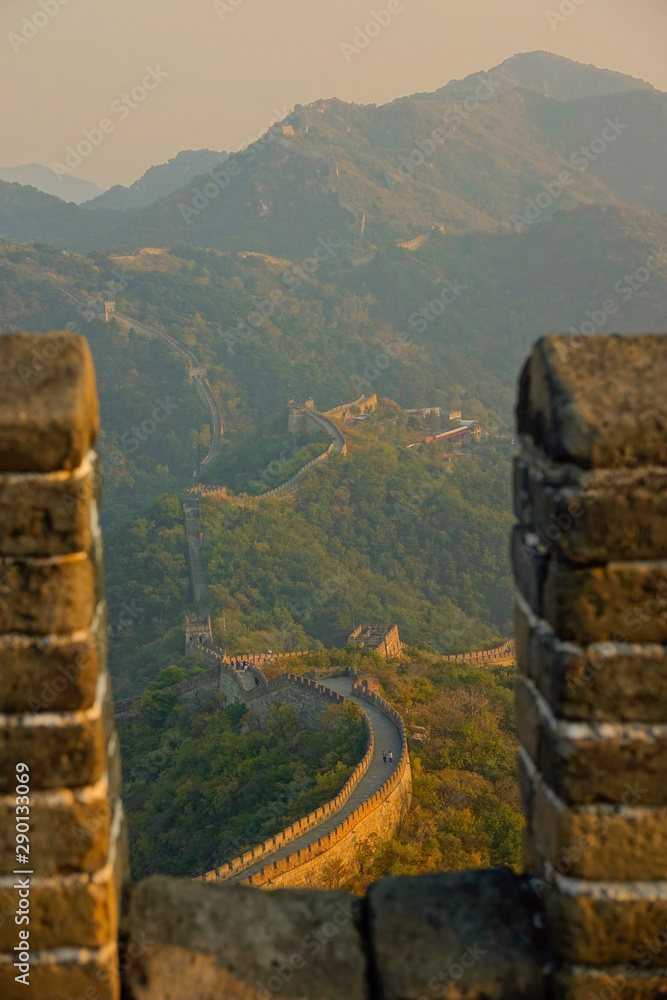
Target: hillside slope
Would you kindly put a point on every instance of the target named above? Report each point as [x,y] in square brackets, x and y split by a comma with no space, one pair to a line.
[160,180]
[372,175]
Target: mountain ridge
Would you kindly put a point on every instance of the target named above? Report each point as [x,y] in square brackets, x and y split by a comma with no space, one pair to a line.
[371,176]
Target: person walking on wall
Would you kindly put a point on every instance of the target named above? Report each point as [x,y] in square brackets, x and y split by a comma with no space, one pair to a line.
[391,757]
[384,756]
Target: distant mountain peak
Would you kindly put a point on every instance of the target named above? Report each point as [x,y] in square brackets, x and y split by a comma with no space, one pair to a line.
[564,79]
[45,180]
[160,180]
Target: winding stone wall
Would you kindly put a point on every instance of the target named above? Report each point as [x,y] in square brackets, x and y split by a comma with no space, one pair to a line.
[586,920]
[381,814]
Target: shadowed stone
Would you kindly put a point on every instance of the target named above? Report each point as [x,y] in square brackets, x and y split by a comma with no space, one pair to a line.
[468,935]
[242,944]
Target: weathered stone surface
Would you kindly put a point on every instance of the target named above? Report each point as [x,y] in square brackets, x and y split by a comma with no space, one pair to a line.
[38,596]
[48,402]
[70,829]
[631,982]
[592,842]
[575,404]
[76,910]
[52,673]
[593,516]
[605,681]
[592,762]
[48,514]
[204,941]
[61,749]
[605,923]
[64,975]
[626,602]
[466,935]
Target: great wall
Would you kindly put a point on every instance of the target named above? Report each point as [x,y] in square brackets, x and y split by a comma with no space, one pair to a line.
[587,915]
[369,803]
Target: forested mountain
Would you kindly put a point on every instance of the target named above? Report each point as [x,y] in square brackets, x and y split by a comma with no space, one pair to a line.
[160,180]
[353,249]
[466,158]
[61,186]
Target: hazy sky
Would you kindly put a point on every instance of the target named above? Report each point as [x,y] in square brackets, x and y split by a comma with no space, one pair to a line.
[232,65]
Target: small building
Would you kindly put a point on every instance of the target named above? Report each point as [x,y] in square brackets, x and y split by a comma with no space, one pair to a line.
[383,639]
[109,311]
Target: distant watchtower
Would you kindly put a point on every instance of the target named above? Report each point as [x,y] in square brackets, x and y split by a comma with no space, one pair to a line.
[198,632]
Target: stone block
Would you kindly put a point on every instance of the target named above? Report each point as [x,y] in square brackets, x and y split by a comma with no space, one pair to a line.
[596,401]
[62,750]
[69,974]
[52,673]
[49,413]
[592,762]
[604,681]
[592,842]
[465,935]
[606,923]
[39,596]
[48,514]
[210,940]
[74,910]
[623,602]
[629,982]
[600,515]
[69,830]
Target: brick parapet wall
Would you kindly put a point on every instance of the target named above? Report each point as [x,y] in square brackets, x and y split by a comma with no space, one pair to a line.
[590,563]
[63,845]
[504,653]
[364,403]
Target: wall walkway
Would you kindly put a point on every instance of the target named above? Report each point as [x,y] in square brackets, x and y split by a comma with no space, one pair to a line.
[374,801]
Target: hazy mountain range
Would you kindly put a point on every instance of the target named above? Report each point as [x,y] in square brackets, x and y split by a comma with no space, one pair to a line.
[61,186]
[468,157]
[155,183]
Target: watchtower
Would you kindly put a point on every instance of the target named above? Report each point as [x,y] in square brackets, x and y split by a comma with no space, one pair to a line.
[198,632]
